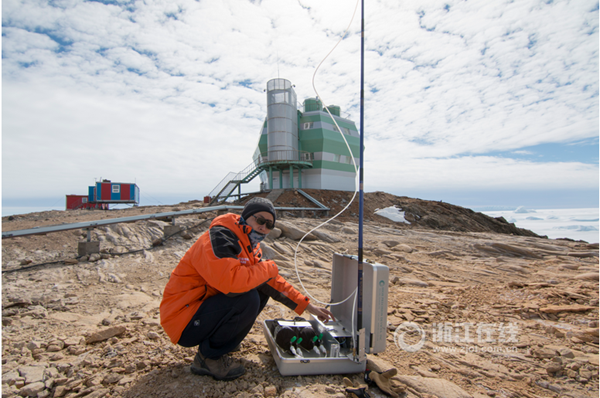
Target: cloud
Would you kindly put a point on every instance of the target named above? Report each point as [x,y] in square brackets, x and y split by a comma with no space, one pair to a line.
[68,139]
[171,92]
[484,173]
[523,153]
[498,69]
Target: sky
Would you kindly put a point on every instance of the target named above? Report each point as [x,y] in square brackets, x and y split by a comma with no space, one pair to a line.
[475,103]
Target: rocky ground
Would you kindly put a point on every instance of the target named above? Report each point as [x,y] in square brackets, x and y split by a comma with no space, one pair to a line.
[505,313]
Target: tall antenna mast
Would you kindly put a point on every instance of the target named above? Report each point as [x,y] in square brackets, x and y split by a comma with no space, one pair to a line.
[361,171]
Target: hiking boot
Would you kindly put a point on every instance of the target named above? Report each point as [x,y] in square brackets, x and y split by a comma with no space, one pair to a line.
[220,369]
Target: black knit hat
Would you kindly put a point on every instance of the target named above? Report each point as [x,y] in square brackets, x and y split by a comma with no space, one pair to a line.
[256,205]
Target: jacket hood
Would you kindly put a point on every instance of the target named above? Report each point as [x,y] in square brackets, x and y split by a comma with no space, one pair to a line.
[231,221]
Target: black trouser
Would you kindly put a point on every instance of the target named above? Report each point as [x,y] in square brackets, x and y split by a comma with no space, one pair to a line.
[222,322]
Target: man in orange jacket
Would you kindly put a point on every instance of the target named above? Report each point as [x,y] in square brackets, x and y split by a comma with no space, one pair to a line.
[221,284]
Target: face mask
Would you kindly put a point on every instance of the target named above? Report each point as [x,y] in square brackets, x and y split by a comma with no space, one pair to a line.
[256,237]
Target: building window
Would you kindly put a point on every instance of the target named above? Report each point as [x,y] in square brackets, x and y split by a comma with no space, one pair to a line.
[346,130]
[84,200]
[336,158]
[116,188]
[308,156]
[308,125]
[345,159]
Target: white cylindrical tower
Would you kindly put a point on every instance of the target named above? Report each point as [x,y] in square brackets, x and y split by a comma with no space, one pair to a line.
[282,120]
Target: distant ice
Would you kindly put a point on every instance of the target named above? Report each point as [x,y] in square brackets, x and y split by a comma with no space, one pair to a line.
[583,228]
[393,213]
[576,224]
[522,210]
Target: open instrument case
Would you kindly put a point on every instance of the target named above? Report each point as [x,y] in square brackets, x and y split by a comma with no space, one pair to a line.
[337,337]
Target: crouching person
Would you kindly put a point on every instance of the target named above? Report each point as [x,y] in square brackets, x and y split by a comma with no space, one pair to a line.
[221,285]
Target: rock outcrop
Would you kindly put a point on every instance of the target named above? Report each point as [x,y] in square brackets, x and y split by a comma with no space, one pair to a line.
[504,314]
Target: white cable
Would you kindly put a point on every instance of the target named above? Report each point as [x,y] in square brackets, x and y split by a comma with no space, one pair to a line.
[355,170]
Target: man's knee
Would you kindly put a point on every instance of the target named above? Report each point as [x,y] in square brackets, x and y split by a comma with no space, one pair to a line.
[248,302]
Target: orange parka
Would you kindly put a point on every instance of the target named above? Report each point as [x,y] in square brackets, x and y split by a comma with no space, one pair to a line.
[221,261]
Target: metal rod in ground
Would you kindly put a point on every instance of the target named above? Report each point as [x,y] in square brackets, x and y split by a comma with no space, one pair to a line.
[361,170]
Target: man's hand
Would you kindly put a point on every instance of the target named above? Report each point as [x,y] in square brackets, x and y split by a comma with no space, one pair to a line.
[322,313]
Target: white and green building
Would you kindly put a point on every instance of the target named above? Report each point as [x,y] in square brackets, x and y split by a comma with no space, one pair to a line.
[304,149]
[298,149]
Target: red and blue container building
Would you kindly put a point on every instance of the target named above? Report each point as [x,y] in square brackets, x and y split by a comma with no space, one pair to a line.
[104,193]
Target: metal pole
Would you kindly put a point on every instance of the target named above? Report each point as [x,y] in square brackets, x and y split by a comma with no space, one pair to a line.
[280,179]
[361,170]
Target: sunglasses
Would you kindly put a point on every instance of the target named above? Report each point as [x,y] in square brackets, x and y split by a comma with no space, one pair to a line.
[263,221]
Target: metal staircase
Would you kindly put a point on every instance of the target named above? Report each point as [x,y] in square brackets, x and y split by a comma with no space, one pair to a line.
[276,160]
[232,181]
